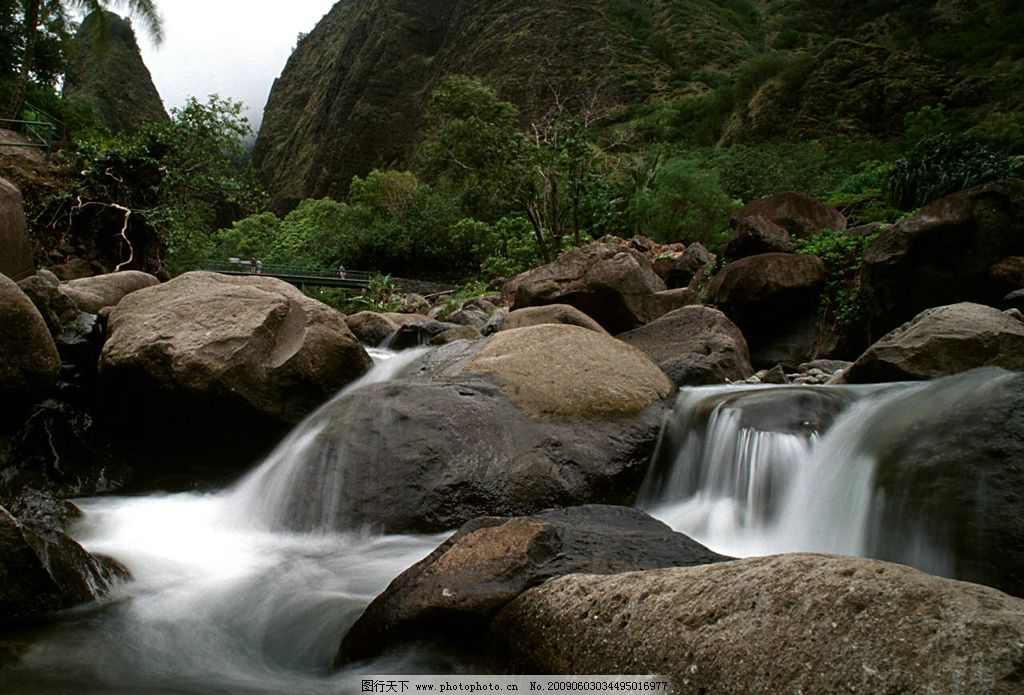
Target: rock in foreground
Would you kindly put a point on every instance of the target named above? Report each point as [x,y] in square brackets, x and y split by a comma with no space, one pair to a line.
[455,592]
[785,624]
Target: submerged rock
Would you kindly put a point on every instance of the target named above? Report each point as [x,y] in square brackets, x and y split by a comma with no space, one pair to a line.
[455,592]
[43,570]
[949,496]
[944,254]
[789,623]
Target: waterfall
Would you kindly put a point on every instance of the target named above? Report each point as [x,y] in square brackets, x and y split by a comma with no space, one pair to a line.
[298,486]
[220,600]
[755,470]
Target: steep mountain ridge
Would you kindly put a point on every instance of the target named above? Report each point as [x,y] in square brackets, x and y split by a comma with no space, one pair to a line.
[107,71]
[353,95]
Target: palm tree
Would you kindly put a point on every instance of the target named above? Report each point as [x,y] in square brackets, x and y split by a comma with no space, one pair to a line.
[144,10]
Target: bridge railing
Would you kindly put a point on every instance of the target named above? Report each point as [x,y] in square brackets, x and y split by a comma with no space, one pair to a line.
[42,130]
[244,267]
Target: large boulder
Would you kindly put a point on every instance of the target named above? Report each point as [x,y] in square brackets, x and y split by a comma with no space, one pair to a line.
[568,371]
[456,591]
[43,570]
[612,284]
[15,247]
[797,213]
[217,353]
[943,341]
[785,624]
[93,294]
[756,234]
[370,327]
[695,345]
[945,254]
[552,313]
[949,495]
[523,421]
[773,298]
[29,362]
[56,308]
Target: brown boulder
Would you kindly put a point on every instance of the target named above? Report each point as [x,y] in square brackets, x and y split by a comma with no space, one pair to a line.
[944,254]
[797,213]
[943,341]
[773,298]
[568,371]
[370,327]
[93,294]
[56,308]
[757,234]
[612,284]
[1009,272]
[216,353]
[695,345]
[552,313]
[15,247]
[43,570]
[456,591]
[784,624]
[29,363]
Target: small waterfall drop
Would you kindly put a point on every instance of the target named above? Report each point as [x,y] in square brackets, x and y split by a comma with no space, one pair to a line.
[274,495]
[760,470]
[220,601]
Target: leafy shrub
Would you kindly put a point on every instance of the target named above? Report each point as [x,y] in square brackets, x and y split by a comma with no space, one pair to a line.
[842,302]
[942,164]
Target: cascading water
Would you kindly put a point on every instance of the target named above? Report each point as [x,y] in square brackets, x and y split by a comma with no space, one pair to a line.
[759,470]
[221,601]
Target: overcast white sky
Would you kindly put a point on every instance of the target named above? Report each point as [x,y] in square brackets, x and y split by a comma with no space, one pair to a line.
[234,48]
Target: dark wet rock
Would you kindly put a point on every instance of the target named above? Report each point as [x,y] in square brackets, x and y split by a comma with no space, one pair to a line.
[43,570]
[694,346]
[612,284]
[455,592]
[773,298]
[757,234]
[57,309]
[525,420]
[416,334]
[944,254]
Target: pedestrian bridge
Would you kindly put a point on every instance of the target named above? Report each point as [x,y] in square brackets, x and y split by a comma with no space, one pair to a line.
[299,276]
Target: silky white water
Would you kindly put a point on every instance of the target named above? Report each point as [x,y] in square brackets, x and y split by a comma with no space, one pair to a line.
[219,601]
[760,470]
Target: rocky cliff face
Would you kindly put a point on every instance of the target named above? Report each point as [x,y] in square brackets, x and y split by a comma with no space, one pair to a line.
[106,69]
[352,96]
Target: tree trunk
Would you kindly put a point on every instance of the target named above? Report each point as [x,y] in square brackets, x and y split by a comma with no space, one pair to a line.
[31,33]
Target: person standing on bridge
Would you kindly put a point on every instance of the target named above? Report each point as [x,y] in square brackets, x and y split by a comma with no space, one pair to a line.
[341,271]
[259,266]
[252,265]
